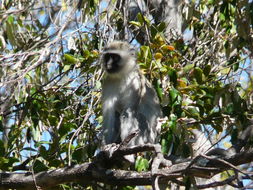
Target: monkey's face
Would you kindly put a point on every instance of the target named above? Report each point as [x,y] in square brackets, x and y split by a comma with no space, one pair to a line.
[118,58]
[113,62]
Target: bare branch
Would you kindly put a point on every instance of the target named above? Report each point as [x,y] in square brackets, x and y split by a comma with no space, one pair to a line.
[88,173]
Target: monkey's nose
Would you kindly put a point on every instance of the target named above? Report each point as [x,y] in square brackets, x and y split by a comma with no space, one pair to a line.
[109,64]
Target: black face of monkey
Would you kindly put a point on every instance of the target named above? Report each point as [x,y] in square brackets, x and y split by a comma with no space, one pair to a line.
[112,62]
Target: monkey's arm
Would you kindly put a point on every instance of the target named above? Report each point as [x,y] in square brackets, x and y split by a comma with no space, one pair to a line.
[111,126]
[128,124]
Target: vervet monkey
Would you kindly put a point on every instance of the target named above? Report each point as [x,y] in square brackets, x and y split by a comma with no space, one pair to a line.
[129,101]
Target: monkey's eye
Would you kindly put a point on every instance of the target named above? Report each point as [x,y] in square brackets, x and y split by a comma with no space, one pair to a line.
[112,58]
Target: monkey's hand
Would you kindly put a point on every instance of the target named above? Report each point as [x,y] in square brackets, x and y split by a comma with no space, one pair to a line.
[104,158]
[109,149]
[133,134]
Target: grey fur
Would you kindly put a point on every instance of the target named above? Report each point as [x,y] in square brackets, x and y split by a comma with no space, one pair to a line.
[129,101]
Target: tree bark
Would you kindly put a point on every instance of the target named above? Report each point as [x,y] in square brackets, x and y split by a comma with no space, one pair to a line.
[90,173]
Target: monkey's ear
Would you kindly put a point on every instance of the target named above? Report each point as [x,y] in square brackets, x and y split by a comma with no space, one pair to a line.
[132,51]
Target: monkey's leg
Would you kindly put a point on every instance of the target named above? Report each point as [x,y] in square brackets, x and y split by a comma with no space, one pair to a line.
[128,124]
[111,125]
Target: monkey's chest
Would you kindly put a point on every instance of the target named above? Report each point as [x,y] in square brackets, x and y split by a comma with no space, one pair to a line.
[121,95]
[121,104]
[124,101]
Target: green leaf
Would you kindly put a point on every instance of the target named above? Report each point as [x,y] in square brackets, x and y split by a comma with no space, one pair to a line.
[1,124]
[147,21]
[193,111]
[145,54]
[153,31]
[207,70]
[39,166]
[161,27]
[141,164]
[98,85]
[186,150]
[218,127]
[86,54]
[175,96]
[10,19]
[29,149]
[66,128]
[66,67]
[158,89]
[55,163]
[10,33]
[172,122]
[187,68]
[140,18]
[7,163]
[128,188]
[43,151]
[2,148]
[163,70]
[172,125]
[35,119]
[39,143]
[227,174]
[53,120]
[236,66]
[165,147]
[173,76]
[222,17]
[70,59]
[229,109]
[78,155]
[198,74]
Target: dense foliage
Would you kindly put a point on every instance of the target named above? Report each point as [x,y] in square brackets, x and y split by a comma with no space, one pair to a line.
[50,77]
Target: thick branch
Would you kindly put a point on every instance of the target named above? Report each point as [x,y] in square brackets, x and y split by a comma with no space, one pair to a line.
[86,173]
[89,173]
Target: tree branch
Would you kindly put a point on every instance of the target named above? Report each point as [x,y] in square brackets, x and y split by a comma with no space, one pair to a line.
[89,173]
